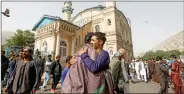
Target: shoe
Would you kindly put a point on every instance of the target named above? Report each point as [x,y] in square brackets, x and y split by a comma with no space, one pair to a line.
[52,90]
[40,87]
[173,88]
[43,89]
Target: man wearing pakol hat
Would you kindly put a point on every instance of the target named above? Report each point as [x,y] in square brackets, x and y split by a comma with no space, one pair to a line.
[119,74]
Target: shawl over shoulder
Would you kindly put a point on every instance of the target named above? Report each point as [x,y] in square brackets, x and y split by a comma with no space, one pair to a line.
[80,80]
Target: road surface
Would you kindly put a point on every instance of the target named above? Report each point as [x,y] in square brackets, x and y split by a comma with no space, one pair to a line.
[139,87]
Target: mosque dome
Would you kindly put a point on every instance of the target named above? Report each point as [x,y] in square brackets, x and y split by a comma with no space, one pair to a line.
[86,15]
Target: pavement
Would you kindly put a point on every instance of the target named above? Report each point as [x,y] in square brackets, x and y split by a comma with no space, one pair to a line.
[139,87]
[149,87]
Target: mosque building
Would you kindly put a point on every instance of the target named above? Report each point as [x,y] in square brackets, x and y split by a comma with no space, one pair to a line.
[64,36]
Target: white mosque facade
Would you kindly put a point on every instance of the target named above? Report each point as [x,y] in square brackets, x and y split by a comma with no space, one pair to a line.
[63,36]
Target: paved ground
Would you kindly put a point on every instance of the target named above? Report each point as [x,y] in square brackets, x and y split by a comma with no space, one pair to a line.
[139,87]
[149,87]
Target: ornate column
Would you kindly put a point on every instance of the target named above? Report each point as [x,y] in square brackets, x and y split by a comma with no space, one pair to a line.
[58,45]
[73,45]
[53,51]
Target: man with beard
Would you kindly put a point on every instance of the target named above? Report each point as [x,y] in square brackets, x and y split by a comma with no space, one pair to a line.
[119,73]
[162,73]
[23,79]
[4,64]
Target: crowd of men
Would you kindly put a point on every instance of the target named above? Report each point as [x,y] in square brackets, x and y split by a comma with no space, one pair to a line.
[90,70]
[160,71]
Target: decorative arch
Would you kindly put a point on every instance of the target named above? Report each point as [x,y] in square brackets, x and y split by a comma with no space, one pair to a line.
[110,50]
[97,28]
[45,46]
[63,49]
[109,22]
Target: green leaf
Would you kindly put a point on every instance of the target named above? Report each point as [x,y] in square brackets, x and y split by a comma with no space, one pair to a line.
[21,38]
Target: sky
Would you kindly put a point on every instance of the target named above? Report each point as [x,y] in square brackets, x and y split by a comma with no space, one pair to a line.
[151,22]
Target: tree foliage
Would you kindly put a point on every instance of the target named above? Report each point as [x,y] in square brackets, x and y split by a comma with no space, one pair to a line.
[21,38]
[163,54]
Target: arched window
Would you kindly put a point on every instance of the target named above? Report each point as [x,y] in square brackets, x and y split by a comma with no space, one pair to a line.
[97,28]
[44,47]
[63,48]
[109,22]
[111,52]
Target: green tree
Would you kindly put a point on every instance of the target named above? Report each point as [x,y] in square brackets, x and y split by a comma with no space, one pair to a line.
[149,55]
[182,53]
[174,52]
[163,54]
[21,38]
[160,53]
[166,55]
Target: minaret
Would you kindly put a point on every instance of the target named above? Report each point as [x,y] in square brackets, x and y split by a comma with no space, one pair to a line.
[110,3]
[67,10]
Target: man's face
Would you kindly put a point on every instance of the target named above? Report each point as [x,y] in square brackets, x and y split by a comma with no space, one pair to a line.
[171,58]
[58,58]
[2,53]
[21,54]
[26,53]
[123,52]
[49,57]
[95,42]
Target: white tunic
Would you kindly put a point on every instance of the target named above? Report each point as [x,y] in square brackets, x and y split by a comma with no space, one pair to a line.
[137,64]
[143,69]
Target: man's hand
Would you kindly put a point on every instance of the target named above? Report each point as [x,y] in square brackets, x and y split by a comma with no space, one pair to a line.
[5,90]
[82,51]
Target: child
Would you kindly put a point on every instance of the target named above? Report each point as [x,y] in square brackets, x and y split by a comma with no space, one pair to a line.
[66,69]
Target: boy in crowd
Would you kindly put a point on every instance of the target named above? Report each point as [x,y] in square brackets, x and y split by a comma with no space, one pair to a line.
[66,69]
